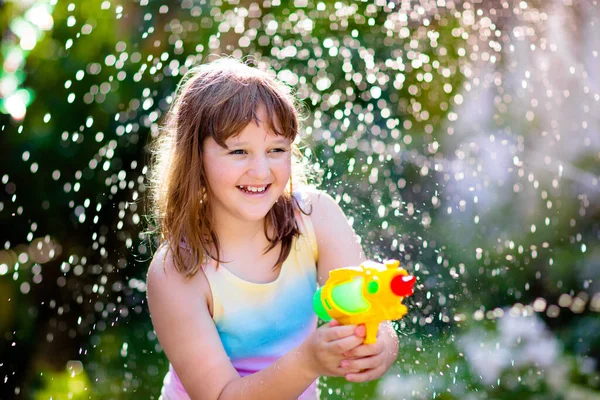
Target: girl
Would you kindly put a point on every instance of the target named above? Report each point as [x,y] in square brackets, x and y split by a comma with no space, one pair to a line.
[230,287]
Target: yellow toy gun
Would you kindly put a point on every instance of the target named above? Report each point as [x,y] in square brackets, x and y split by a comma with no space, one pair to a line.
[368,294]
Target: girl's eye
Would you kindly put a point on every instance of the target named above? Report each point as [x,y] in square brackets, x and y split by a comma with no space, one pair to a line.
[242,152]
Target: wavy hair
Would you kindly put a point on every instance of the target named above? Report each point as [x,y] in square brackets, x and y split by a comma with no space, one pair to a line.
[216,100]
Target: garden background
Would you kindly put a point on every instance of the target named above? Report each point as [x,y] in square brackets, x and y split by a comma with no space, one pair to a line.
[462,138]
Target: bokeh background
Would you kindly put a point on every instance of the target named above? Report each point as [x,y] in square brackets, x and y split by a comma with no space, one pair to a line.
[462,138]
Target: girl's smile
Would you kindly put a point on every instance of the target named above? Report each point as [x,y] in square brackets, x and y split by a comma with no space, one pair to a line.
[255,191]
[248,175]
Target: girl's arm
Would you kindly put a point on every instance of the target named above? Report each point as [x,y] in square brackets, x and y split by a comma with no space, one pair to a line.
[339,246]
[186,331]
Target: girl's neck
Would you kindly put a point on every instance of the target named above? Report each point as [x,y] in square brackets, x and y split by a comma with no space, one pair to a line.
[236,234]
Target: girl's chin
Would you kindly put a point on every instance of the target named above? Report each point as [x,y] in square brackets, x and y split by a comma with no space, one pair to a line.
[255,213]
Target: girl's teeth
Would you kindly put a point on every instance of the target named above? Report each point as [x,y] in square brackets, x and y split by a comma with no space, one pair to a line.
[253,189]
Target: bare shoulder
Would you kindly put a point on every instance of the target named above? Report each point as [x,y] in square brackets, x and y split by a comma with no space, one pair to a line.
[337,243]
[163,278]
[327,216]
[322,208]
[162,271]
[163,265]
[320,203]
[162,262]
[185,329]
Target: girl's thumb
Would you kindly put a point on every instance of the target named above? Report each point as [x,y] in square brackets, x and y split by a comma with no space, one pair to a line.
[360,331]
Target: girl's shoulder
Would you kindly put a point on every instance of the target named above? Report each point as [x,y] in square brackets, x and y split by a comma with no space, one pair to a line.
[307,197]
[311,197]
[337,244]
[163,279]
[163,260]
[322,209]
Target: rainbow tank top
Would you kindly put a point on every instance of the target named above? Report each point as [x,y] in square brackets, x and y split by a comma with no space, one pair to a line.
[260,322]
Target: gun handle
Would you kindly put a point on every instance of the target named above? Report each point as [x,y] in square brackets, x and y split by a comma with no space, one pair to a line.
[371,328]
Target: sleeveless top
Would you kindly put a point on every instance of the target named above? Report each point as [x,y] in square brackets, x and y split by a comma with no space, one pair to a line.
[260,322]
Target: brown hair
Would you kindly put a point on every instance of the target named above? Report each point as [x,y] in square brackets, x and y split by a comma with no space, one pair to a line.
[215,100]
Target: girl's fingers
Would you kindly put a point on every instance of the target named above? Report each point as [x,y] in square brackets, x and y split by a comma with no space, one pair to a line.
[365,376]
[365,350]
[337,332]
[345,344]
[360,364]
[360,331]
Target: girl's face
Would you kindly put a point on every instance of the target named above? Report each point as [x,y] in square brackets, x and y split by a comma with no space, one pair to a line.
[248,177]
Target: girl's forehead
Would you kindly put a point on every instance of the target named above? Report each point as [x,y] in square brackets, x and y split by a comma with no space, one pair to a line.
[256,134]
[255,124]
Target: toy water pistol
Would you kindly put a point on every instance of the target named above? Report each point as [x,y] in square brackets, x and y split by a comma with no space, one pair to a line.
[367,294]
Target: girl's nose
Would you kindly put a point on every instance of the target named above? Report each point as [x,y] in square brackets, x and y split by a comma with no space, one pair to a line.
[259,169]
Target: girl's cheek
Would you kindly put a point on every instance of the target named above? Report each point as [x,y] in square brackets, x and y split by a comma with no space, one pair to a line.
[282,163]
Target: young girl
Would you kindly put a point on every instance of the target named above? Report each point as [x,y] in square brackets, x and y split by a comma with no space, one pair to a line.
[230,288]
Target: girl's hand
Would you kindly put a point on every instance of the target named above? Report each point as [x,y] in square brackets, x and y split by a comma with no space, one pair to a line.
[370,361]
[324,348]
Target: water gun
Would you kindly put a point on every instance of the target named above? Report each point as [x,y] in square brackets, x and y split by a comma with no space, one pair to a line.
[367,294]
